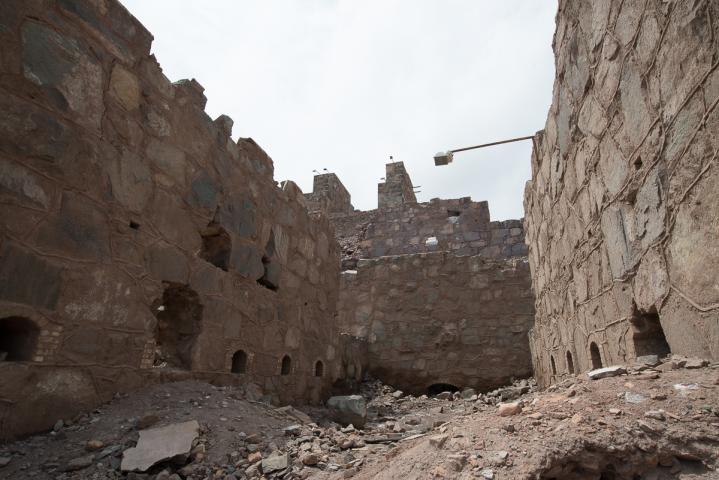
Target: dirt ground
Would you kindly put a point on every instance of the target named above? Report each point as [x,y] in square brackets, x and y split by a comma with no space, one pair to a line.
[656,423]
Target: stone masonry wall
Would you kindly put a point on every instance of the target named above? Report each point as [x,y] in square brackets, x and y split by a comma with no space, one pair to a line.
[138,241]
[397,188]
[622,212]
[440,293]
[329,195]
[437,318]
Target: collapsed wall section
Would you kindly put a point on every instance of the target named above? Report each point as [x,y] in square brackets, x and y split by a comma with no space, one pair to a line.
[440,319]
[621,212]
[138,241]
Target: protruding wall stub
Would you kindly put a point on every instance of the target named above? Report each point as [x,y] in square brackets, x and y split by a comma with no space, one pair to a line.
[397,188]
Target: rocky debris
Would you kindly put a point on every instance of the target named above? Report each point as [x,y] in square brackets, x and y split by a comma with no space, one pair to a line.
[607,372]
[160,444]
[93,445]
[438,441]
[351,409]
[5,461]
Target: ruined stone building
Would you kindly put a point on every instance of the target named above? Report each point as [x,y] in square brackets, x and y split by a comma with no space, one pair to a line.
[622,209]
[139,242]
[440,293]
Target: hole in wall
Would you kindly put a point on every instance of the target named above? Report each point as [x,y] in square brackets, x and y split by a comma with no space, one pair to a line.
[453,213]
[216,245]
[134,225]
[648,334]
[595,356]
[319,368]
[271,276]
[179,321]
[554,365]
[437,388]
[638,162]
[570,363]
[286,367]
[239,362]
[18,339]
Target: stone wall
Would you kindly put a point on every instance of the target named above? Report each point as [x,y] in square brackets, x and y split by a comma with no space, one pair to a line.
[329,195]
[440,293]
[622,215]
[397,188]
[138,241]
[438,318]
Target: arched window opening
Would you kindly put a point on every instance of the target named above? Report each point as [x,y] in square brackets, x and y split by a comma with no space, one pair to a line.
[286,365]
[648,334]
[437,388]
[18,339]
[271,276]
[319,368]
[216,246]
[179,321]
[595,355]
[239,362]
[570,363]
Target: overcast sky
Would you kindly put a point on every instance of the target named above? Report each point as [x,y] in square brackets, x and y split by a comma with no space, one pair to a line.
[343,84]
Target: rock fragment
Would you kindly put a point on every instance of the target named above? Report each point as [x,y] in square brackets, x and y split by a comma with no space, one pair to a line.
[275,463]
[159,444]
[509,409]
[606,372]
[350,409]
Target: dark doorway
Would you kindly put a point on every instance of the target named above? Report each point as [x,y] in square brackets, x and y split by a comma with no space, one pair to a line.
[216,246]
[570,363]
[239,362]
[648,334]
[18,339]
[554,365]
[179,321]
[271,276]
[595,355]
[437,388]
[319,368]
[286,365]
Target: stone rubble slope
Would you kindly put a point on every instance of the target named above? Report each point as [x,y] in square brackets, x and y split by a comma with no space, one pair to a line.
[660,422]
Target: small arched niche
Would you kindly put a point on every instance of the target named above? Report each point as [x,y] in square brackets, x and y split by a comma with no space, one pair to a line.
[595,356]
[239,362]
[319,368]
[554,365]
[570,363]
[286,366]
[18,339]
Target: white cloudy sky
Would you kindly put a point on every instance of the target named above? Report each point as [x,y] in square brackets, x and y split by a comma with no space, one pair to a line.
[343,84]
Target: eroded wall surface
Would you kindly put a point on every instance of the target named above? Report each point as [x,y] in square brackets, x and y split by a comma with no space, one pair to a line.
[139,241]
[622,212]
[438,318]
[440,293]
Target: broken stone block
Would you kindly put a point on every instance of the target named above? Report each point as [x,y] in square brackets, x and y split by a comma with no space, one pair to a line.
[347,410]
[606,372]
[438,441]
[79,463]
[509,409]
[650,360]
[160,444]
[275,463]
[5,461]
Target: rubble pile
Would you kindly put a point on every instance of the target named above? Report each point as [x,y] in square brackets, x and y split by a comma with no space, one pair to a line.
[660,417]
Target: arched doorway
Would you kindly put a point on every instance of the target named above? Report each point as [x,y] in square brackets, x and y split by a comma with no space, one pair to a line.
[18,339]
[595,356]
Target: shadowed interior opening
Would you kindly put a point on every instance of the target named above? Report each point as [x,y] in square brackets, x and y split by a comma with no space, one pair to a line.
[216,246]
[18,339]
[648,335]
[179,320]
[595,356]
[570,363]
[437,388]
[319,368]
[239,362]
[286,365]
[554,365]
